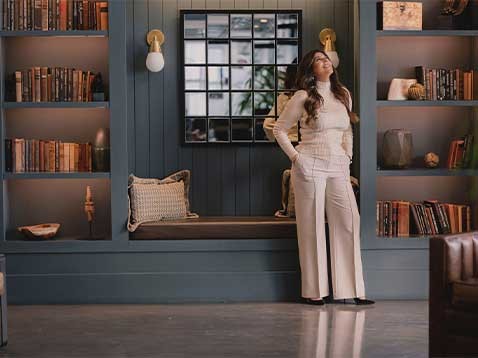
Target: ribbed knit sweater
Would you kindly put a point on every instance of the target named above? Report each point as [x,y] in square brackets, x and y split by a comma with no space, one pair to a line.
[327,136]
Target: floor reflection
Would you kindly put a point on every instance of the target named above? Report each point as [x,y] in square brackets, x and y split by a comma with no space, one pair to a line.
[331,332]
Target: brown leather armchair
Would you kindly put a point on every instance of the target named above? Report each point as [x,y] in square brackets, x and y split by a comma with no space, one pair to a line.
[453,299]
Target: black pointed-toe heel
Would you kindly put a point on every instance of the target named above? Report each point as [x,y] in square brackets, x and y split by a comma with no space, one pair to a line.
[315,302]
[363,301]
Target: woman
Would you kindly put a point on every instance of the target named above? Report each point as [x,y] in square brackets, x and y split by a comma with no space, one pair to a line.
[282,99]
[321,178]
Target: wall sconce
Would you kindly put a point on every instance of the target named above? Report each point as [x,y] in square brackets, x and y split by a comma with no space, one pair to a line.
[327,39]
[155,59]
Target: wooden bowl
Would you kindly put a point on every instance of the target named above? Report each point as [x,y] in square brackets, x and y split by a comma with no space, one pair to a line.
[41,231]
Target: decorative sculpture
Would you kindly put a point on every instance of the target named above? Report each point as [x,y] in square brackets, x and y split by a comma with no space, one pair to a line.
[416,91]
[398,89]
[89,208]
[397,149]
[41,231]
[431,160]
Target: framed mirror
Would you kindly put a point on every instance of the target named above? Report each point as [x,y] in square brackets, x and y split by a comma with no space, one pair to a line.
[235,64]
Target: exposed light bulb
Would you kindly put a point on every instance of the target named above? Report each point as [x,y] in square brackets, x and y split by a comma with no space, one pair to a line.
[155,61]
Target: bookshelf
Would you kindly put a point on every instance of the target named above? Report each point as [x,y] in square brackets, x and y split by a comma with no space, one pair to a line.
[394,54]
[30,198]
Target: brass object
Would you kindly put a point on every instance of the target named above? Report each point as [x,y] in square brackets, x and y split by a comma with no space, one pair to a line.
[155,39]
[431,160]
[89,208]
[327,38]
[416,91]
[41,231]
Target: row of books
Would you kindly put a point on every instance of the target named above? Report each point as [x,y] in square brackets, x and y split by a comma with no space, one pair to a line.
[58,84]
[401,218]
[34,155]
[460,152]
[63,15]
[446,84]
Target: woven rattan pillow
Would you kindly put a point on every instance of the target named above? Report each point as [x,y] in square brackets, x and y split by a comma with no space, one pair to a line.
[153,199]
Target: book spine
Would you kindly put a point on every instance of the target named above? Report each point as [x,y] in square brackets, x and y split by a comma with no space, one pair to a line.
[18,86]
[8,155]
[44,84]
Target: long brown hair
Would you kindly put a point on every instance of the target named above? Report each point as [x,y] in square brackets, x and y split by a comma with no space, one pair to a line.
[306,81]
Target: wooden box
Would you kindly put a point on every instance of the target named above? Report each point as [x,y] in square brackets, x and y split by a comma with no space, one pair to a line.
[399,15]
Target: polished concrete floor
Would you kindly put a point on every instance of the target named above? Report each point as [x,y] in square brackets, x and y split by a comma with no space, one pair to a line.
[389,329]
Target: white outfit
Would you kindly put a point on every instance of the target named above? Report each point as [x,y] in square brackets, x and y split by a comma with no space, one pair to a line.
[321,179]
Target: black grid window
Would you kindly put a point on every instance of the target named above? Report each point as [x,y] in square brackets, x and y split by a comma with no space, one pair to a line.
[234,70]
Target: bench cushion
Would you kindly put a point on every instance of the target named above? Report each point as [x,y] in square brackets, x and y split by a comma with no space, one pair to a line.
[218,227]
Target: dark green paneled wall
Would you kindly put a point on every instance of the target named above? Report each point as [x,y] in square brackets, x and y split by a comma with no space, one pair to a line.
[228,179]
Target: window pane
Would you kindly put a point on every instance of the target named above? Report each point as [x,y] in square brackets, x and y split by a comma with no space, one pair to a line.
[241,25]
[241,77]
[241,130]
[264,52]
[218,130]
[263,102]
[218,77]
[218,104]
[195,104]
[287,52]
[194,52]
[195,78]
[241,52]
[217,25]
[241,103]
[264,77]
[218,52]
[264,25]
[286,76]
[194,25]
[259,134]
[287,25]
[196,129]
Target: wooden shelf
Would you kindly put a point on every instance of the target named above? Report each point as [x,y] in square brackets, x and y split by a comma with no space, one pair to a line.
[409,103]
[427,172]
[11,105]
[57,175]
[59,239]
[70,33]
[407,238]
[471,33]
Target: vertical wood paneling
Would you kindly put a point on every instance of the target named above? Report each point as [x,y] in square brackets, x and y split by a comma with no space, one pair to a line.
[214,162]
[236,179]
[228,160]
[130,58]
[141,90]
[156,100]
[172,127]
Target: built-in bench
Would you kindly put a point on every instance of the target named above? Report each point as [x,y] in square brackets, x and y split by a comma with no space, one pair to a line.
[218,227]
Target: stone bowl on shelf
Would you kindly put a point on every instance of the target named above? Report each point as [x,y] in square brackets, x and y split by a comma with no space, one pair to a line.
[41,231]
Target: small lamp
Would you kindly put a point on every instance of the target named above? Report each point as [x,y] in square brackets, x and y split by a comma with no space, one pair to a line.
[327,39]
[155,59]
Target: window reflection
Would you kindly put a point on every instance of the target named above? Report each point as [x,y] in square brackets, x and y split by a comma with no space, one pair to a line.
[287,25]
[218,78]
[218,104]
[196,130]
[264,52]
[241,25]
[194,25]
[264,25]
[194,52]
[217,25]
[218,130]
[195,77]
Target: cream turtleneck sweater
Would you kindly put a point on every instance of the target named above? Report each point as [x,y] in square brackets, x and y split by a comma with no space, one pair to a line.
[329,136]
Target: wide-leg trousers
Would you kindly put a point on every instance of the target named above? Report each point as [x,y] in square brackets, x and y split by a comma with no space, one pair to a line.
[323,186]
